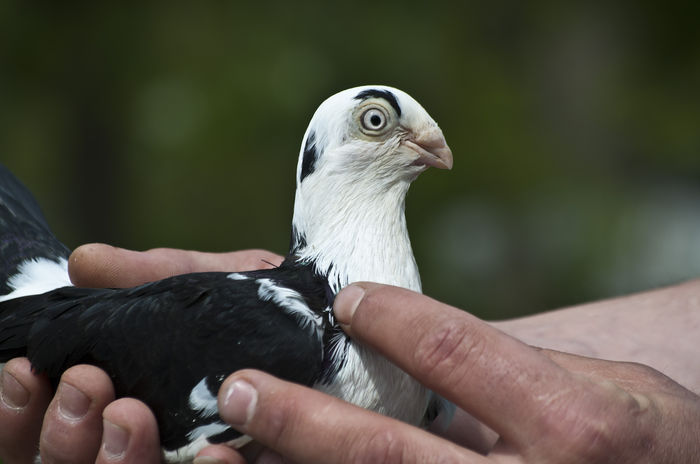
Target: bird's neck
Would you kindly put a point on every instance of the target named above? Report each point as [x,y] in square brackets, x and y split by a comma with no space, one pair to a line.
[354,232]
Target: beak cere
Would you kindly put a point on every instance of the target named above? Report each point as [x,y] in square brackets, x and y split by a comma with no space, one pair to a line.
[432,149]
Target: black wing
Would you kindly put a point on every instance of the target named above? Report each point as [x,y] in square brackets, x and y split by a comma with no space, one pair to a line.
[161,340]
[24,233]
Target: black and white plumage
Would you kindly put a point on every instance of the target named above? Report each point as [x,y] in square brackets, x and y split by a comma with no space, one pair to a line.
[171,343]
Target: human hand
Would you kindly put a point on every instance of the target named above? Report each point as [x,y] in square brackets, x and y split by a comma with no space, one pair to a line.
[98,265]
[82,420]
[71,426]
[143,434]
[546,406]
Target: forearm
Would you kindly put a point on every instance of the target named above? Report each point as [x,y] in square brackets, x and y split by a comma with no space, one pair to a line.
[659,328]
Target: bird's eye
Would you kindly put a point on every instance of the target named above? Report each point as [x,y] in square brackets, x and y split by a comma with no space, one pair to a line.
[374,119]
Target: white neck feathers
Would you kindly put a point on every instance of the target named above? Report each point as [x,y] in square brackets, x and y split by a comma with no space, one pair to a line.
[355,230]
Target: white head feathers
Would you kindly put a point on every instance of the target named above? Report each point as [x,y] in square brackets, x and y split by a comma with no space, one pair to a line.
[362,149]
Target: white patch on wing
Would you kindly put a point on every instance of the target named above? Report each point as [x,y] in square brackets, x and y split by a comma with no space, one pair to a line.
[208,430]
[240,441]
[202,400]
[292,303]
[188,452]
[36,276]
[237,276]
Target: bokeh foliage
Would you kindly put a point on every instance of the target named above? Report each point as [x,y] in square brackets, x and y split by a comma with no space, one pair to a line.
[574,128]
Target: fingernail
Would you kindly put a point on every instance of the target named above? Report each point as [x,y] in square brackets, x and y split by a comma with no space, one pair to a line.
[239,403]
[347,302]
[115,440]
[72,403]
[12,393]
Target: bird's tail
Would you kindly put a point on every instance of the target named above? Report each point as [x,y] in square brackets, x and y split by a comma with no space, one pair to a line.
[32,260]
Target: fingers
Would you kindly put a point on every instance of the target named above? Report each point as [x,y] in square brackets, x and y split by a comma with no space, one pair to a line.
[81,423]
[308,426]
[99,265]
[477,367]
[466,431]
[220,454]
[72,428]
[130,434]
[24,397]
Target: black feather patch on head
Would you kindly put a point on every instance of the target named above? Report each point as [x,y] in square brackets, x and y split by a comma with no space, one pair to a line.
[308,162]
[378,93]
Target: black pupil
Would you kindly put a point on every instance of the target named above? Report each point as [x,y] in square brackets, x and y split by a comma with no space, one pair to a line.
[375,120]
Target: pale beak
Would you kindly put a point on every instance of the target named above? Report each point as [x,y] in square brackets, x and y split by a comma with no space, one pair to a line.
[432,149]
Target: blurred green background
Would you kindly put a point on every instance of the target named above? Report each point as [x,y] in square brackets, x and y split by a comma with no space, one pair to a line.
[574,128]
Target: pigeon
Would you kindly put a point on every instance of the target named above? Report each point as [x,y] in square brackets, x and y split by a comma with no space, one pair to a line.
[172,342]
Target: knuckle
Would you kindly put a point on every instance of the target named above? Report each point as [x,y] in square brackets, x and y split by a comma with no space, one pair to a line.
[637,374]
[638,370]
[448,350]
[590,431]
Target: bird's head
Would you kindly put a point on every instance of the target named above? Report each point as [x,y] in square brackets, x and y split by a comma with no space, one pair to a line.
[361,151]
[373,133]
